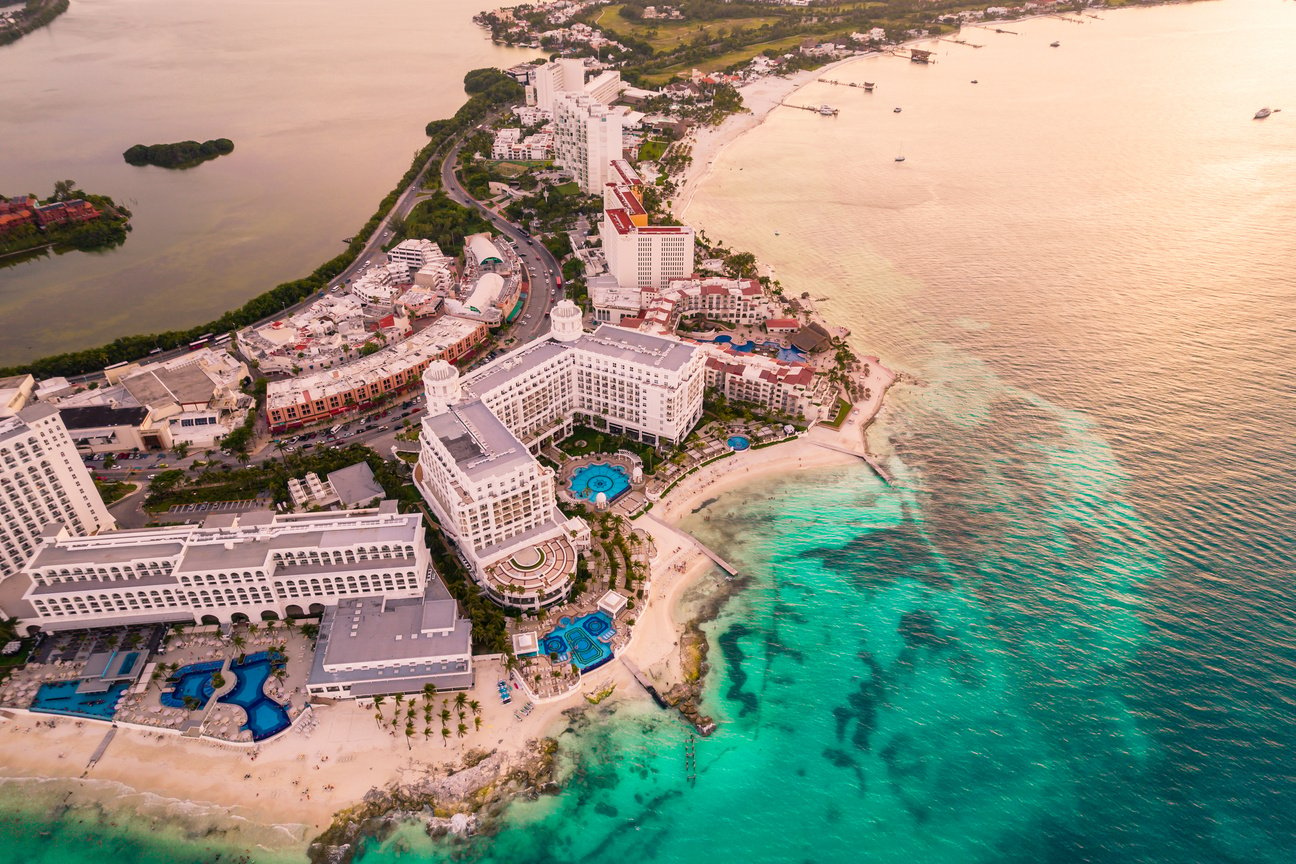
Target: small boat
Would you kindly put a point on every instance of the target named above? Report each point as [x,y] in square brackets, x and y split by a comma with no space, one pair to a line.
[776,233]
[1054,44]
[868,85]
[1263,113]
[896,110]
[899,159]
[827,111]
[974,80]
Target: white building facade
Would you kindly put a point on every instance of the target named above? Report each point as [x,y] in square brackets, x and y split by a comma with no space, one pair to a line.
[42,481]
[588,135]
[476,469]
[254,565]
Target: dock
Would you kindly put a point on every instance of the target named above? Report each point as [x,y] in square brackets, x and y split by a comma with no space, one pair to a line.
[689,538]
[644,682]
[862,86]
[866,457]
[822,110]
[963,42]
[99,751]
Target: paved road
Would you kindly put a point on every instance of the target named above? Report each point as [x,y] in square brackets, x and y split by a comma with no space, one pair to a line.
[541,266]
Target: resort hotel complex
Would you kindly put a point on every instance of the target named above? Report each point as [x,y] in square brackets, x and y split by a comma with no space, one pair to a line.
[477,470]
[485,465]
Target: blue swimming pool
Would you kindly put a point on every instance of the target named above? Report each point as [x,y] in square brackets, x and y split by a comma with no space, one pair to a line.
[62,698]
[265,717]
[738,442]
[584,641]
[589,480]
[194,680]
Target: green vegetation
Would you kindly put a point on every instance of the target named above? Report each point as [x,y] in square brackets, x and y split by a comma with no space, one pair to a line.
[843,410]
[570,188]
[666,35]
[182,154]
[37,14]
[113,491]
[488,620]
[273,302]
[441,220]
[585,440]
[652,149]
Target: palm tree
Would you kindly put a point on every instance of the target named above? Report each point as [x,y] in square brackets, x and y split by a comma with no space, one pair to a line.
[445,735]
[463,730]
[239,641]
[429,691]
[461,702]
[427,732]
[378,703]
[477,722]
[445,715]
[475,706]
[409,737]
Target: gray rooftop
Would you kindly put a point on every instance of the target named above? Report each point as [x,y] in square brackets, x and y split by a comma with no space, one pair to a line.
[355,484]
[186,384]
[479,442]
[363,630]
[635,347]
[54,555]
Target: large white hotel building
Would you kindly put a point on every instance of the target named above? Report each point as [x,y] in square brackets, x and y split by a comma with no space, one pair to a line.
[42,480]
[477,470]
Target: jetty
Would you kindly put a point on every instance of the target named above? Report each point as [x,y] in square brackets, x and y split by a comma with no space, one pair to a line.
[862,86]
[644,682]
[868,458]
[698,544]
[963,42]
[99,751]
[824,110]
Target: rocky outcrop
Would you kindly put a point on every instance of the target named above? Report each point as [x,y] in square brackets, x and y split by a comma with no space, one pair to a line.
[455,802]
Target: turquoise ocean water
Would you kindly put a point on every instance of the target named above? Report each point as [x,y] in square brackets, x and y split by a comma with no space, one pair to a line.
[1067,634]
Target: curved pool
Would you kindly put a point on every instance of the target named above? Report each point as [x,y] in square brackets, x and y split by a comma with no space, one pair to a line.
[589,480]
[265,716]
[738,442]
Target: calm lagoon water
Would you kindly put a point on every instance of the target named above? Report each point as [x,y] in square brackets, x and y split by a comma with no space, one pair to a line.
[325,102]
[1066,633]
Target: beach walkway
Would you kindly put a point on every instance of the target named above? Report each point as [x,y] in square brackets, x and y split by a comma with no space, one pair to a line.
[643,682]
[99,751]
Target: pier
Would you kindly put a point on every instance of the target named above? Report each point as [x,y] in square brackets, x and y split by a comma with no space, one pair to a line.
[865,86]
[99,751]
[867,457]
[963,42]
[690,759]
[824,110]
[689,538]
[644,682]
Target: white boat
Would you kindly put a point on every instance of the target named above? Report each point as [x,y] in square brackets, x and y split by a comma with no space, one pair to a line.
[1262,113]
[899,158]
[827,111]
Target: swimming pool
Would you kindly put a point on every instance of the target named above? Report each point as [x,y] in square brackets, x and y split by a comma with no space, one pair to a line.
[195,681]
[584,641]
[738,442]
[589,480]
[62,698]
[265,716]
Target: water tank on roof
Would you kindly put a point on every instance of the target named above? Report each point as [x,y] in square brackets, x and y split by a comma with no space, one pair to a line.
[441,383]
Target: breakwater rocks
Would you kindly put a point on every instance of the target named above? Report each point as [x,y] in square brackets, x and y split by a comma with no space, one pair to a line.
[459,800]
[686,695]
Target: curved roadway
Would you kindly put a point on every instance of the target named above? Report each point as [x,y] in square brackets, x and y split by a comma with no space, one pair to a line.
[541,266]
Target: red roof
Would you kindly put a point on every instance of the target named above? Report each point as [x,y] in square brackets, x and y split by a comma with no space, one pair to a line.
[620,220]
[783,323]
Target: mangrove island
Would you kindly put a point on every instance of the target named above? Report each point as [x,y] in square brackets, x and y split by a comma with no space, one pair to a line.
[182,154]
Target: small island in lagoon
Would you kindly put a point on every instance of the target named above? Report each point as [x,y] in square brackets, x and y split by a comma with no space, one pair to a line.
[181,154]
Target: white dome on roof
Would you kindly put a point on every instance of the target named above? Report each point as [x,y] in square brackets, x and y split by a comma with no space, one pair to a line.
[565,321]
[441,384]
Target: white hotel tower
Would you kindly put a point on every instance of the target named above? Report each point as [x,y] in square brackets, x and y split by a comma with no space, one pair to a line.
[42,480]
[477,471]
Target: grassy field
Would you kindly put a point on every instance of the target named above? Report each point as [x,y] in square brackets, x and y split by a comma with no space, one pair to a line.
[652,150]
[721,61]
[665,36]
[572,188]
